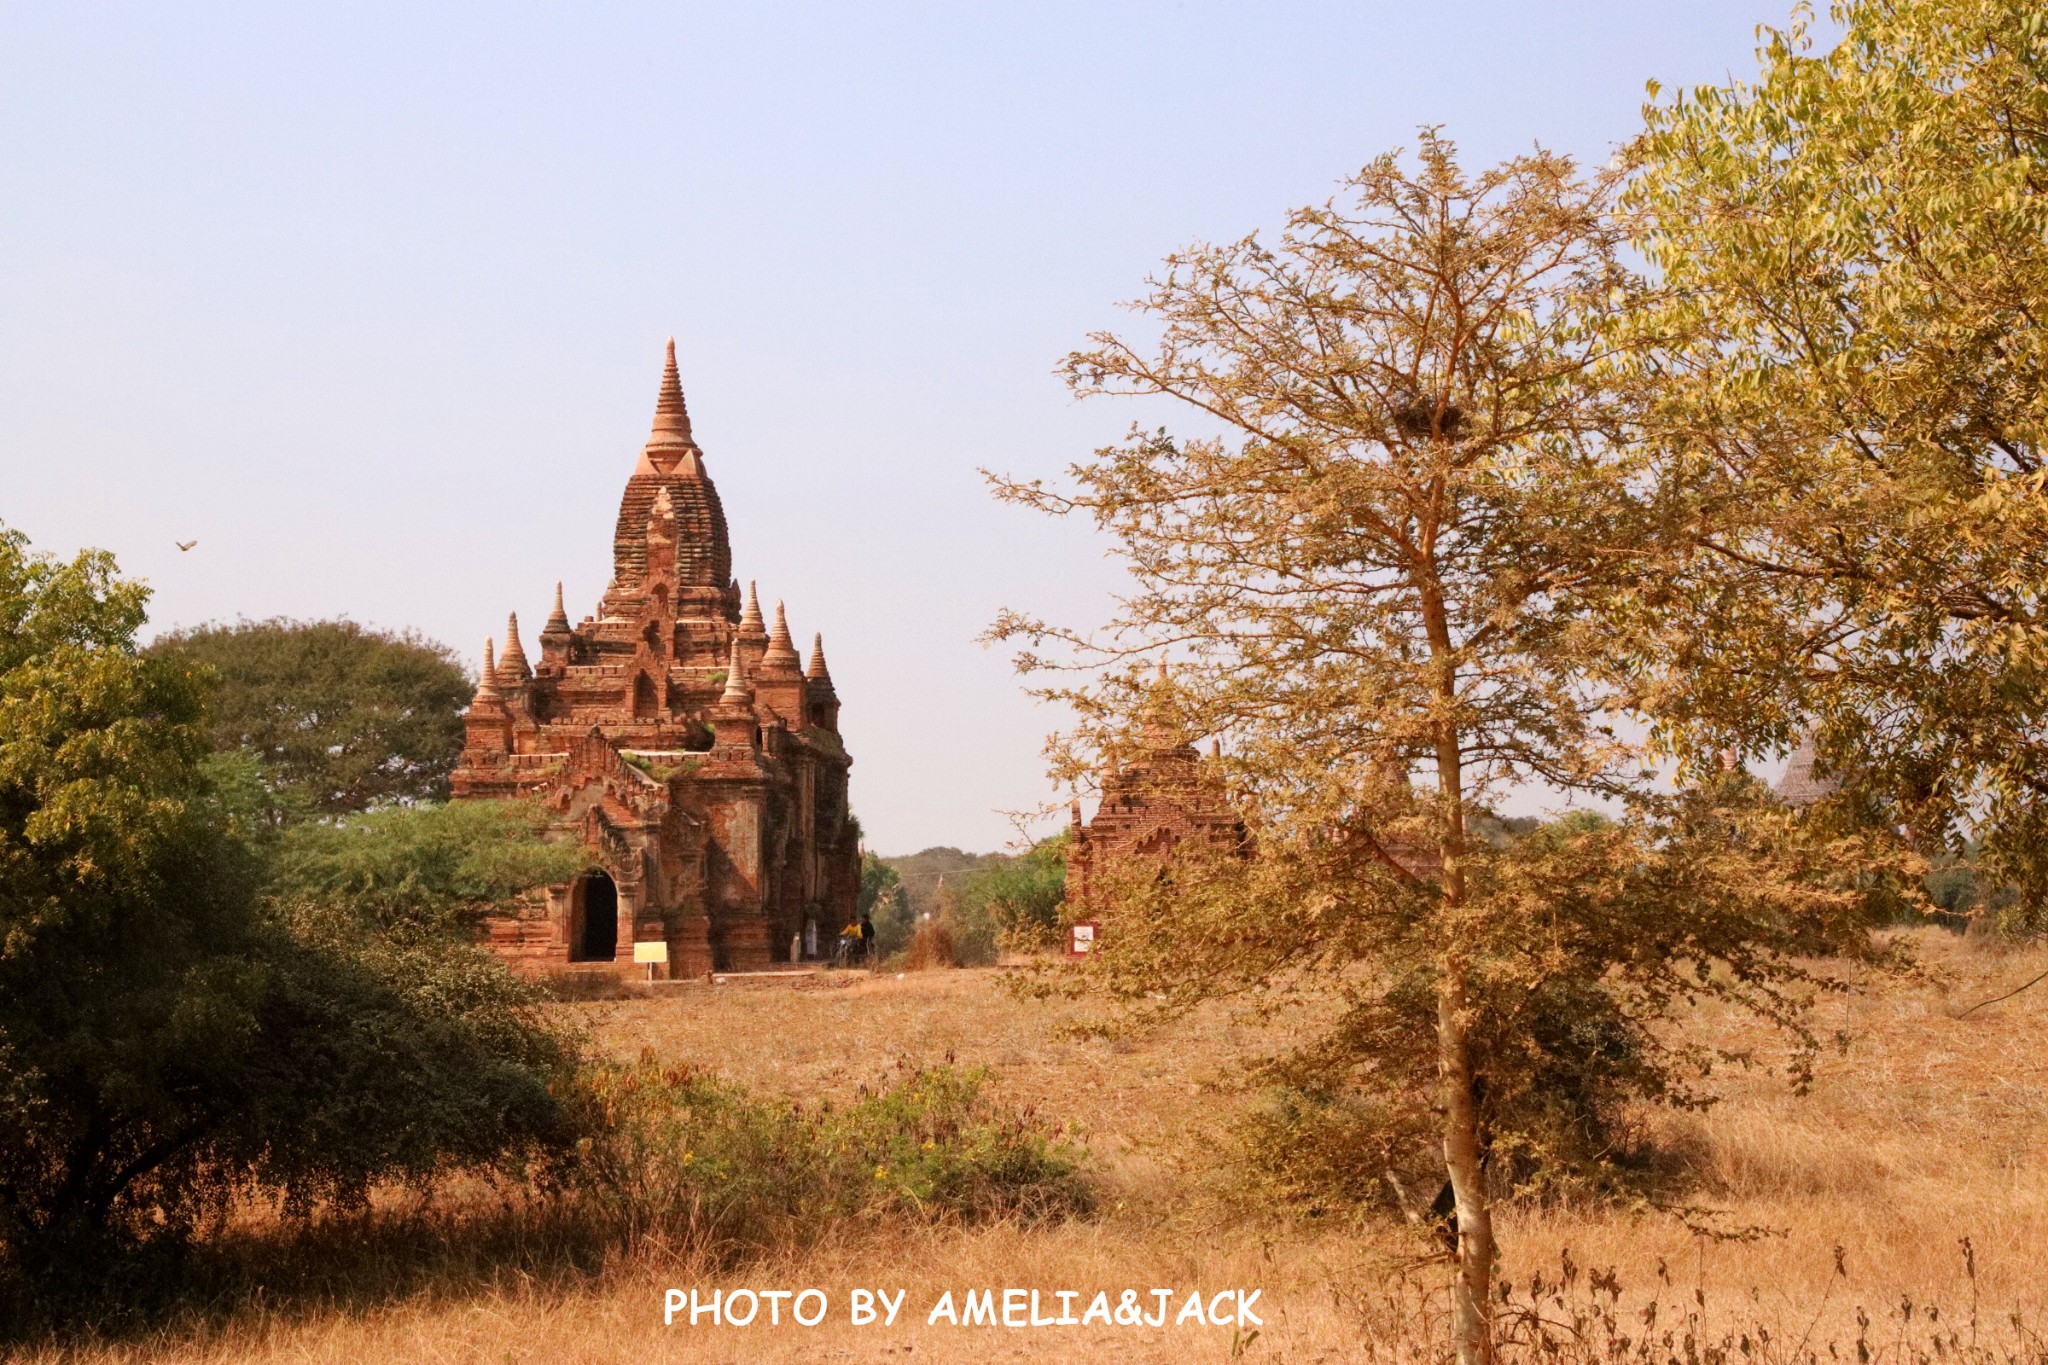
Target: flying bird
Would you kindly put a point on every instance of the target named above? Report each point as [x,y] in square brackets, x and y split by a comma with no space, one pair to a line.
[185,544]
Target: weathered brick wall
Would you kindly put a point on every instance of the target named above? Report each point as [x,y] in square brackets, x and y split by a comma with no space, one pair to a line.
[1148,809]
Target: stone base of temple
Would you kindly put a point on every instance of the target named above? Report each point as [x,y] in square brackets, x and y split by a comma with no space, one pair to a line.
[746,947]
[689,949]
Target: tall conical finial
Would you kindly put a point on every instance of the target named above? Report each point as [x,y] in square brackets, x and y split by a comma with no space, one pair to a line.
[781,653]
[512,665]
[816,672]
[1161,723]
[737,693]
[671,415]
[558,619]
[751,624]
[487,683]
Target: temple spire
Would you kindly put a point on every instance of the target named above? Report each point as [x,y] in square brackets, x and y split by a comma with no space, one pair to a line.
[781,654]
[737,693]
[751,624]
[671,413]
[487,683]
[512,665]
[1159,716]
[558,619]
[817,672]
[671,449]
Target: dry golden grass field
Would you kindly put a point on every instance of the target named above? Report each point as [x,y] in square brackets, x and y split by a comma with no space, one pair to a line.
[1925,1130]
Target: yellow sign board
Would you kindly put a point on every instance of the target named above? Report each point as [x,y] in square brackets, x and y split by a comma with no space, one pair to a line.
[656,951]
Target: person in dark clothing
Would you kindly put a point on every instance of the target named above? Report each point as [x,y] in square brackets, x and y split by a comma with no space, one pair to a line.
[867,937]
[1444,1212]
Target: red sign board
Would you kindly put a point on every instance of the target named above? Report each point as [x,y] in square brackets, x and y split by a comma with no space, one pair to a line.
[1081,938]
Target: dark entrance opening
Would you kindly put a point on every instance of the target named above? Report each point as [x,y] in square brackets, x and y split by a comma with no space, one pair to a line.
[594,918]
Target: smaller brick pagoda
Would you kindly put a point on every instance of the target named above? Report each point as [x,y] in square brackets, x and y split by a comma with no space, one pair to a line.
[1165,797]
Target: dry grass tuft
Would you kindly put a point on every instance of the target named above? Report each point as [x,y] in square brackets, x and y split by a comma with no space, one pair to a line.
[931,945]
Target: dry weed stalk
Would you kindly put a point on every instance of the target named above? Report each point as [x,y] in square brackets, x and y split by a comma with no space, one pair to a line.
[1580,1315]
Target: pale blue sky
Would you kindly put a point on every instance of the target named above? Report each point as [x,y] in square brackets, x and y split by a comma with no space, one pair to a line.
[369,299]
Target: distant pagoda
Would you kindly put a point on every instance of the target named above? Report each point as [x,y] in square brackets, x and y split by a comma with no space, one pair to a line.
[1165,796]
[1802,784]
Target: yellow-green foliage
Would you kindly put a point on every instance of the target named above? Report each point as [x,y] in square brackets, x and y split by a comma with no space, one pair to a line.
[1844,376]
[697,1159]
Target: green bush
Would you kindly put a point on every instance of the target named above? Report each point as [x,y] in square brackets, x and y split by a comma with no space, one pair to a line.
[1018,899]
[935,1145]
[689,1157]
[882,896]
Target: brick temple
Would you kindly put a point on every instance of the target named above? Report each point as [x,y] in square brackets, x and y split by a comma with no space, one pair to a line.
[682,741]
[1163,797]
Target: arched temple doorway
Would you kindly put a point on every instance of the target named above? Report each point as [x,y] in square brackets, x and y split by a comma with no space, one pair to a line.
[593,917]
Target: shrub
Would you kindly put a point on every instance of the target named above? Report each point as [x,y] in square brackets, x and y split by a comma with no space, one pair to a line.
[691,1158]
[683,1155]
[932,945]
[1321,1149]
[963,934]
[935,1145]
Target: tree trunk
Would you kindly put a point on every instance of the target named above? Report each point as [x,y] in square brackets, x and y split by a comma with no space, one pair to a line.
[1472,1289]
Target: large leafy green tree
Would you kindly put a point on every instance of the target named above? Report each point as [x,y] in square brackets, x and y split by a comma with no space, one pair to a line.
[344,717]
[1384,569]
[131,963]
[1019,898]
[194,1005]
[1847,366]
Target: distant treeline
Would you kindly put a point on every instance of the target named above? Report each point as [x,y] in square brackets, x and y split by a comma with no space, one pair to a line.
[919,873]
[986,902]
